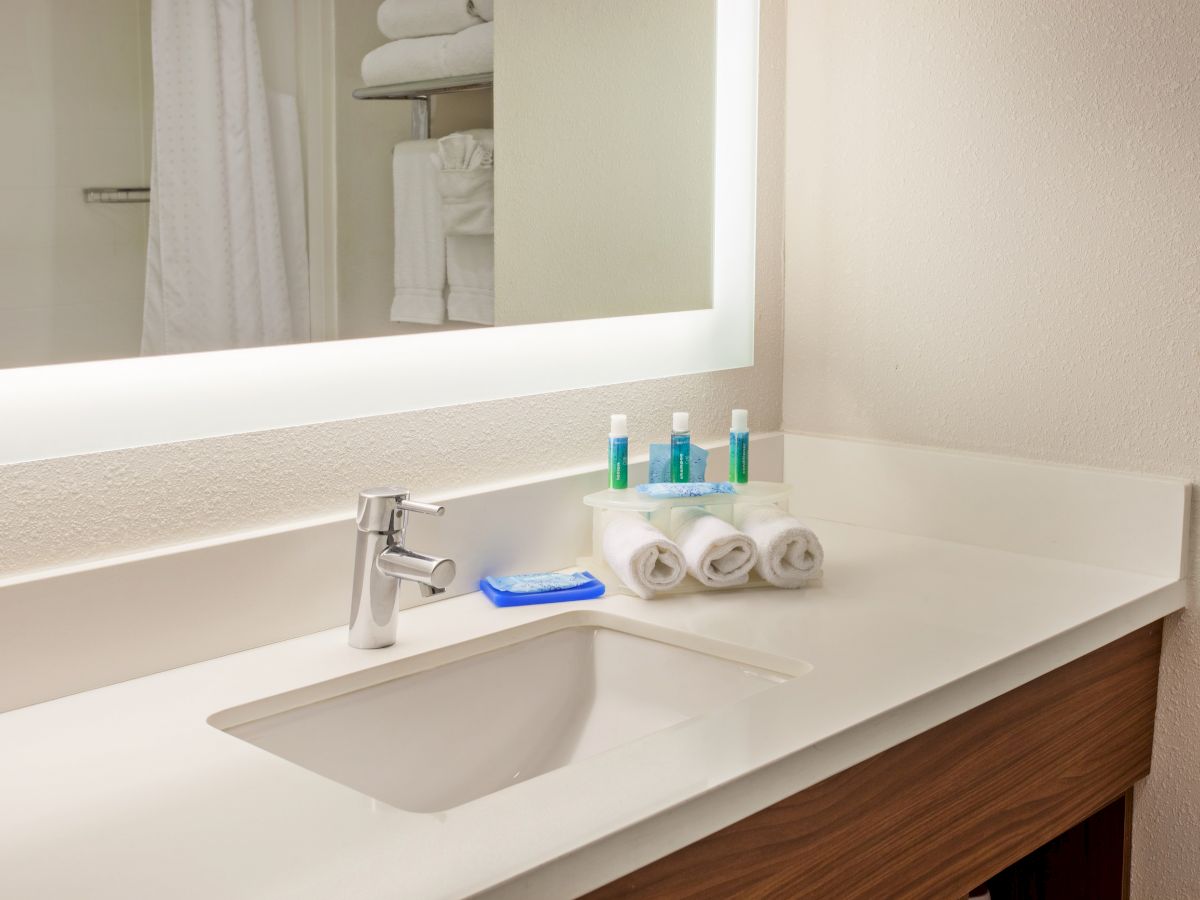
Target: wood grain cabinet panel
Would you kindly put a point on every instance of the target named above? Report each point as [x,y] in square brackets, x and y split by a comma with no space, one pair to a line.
[943,812]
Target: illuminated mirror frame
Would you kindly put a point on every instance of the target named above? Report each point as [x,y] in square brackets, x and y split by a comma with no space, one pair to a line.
[65,410]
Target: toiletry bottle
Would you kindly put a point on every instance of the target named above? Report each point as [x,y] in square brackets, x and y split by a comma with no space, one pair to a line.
[739,448]
[681,449]
[618,454]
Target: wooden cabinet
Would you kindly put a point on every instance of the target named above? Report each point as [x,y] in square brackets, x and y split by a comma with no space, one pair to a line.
[982,796]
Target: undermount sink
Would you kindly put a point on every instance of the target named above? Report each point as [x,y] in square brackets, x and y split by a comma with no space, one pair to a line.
[438,730]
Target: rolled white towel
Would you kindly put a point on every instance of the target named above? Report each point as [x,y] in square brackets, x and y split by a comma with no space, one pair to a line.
[400,19]
[641,555]
[717,554]
[789,554]
[469,52]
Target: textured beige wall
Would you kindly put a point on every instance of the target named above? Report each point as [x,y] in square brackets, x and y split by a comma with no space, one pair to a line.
[133,500]
[993,232]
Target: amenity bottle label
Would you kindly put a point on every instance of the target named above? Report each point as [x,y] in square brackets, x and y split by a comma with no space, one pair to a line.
[739,457]
[681,458]
[618,463]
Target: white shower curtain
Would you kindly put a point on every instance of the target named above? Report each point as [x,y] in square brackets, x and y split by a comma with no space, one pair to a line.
[227,265]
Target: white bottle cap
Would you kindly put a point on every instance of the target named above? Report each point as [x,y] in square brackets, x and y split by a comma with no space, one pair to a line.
[681,423]
[741,421]
[620,427]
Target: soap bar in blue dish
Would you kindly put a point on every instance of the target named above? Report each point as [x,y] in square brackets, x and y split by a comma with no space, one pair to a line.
[589,588]
[538,582]
[676,491]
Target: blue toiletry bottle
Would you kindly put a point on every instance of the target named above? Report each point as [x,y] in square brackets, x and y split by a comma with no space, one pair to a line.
[618,454]
[739,448]
[681,448]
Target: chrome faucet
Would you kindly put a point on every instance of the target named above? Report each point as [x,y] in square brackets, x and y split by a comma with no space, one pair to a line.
[382,561]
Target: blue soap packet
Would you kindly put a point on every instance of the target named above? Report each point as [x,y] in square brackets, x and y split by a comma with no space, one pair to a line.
[582,586]
[695,489]
[539,583]
[660,463]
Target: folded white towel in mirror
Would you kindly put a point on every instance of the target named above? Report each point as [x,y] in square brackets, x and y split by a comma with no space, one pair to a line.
[645,560]
[420,252]
[400,19]
[467,181]
[485,9]
[717,554]
[469,52]
[789,554]
[471,279]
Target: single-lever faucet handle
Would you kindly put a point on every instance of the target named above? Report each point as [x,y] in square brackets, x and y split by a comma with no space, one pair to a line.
[380,509]
[428,509]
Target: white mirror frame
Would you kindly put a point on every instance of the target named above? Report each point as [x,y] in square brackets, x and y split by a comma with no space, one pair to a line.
[65,410]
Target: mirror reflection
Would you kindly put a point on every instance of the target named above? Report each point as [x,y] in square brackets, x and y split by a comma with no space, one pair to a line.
[192,175]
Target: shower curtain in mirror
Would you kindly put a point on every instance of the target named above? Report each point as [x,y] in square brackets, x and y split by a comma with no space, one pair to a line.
[227,263]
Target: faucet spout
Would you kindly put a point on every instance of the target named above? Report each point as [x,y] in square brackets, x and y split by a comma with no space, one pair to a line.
[430,572]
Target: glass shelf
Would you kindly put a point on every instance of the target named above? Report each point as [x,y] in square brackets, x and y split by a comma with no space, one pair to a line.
[755,493]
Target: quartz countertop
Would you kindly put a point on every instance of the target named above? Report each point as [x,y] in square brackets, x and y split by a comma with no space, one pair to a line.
[127,791]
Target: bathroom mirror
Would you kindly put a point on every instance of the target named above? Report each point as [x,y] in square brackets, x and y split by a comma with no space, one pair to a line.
[162,199]
[604,172]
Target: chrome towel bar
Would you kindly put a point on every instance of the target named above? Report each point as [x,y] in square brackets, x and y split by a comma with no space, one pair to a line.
[116,195]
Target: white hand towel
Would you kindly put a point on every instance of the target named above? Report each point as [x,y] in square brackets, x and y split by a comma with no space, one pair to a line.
[470,52]
[641,555]
[471,276]
[400,19]
[466,179]
[420,238]
[485,9]
[717,554]
[789,554]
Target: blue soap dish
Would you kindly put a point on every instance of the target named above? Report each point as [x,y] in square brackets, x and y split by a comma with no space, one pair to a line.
[591,590]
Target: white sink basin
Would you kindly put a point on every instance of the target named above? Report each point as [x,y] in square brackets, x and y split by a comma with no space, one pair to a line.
[438,730]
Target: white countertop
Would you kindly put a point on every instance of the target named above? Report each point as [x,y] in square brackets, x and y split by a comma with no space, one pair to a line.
[126,791]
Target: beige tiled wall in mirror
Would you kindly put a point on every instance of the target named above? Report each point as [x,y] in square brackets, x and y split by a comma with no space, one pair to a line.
[75,99]
[607,115]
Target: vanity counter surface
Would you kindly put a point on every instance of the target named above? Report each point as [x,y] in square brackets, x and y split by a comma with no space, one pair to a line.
[127,791]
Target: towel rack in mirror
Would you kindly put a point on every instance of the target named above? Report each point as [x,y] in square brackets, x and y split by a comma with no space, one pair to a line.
[116,195]
[421,94]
